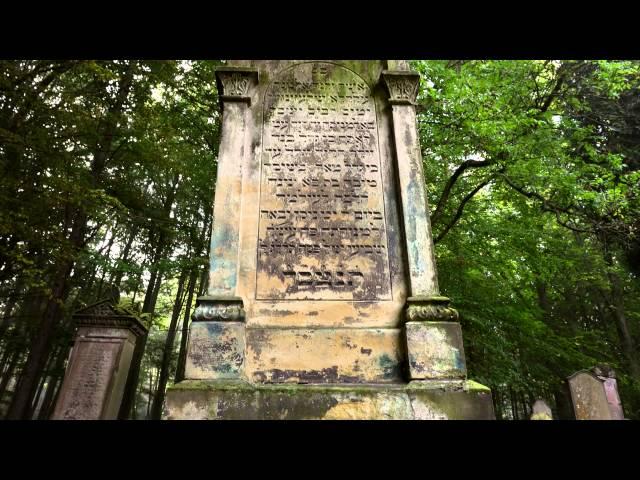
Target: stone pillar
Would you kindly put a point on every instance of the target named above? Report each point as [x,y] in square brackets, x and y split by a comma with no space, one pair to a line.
[217,334]
[433,335]
[96,375]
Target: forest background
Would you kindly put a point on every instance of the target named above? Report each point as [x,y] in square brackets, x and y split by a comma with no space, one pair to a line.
[107,177]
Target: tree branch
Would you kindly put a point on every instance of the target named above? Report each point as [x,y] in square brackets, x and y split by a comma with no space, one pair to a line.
[458,214]
[547,206]
[451,182]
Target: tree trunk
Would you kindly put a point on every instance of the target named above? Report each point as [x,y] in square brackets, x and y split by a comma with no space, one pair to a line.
[54,381]
[11,303]
[41,345]
[150,391]
[8,374]
[128,400]
[43,381]
[104,269]
[626,340]
[124,257]
[182,355]
[167,353]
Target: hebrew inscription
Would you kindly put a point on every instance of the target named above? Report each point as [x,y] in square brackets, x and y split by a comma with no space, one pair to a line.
[92,371]
[322,232]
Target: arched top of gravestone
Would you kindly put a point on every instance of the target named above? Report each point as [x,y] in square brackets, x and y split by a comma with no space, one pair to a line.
[368,70]
[580,373]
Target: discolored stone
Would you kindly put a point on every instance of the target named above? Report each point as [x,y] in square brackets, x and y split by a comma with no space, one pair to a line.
[595,397]
[435,350]
[322,248]
[324,355]
[216,350]
[239,400]
[94,382]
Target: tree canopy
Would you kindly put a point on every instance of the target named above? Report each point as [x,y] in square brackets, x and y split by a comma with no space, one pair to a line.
[533,176]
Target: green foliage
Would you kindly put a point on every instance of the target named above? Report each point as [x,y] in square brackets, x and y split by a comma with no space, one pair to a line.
[533,176]
[532,260]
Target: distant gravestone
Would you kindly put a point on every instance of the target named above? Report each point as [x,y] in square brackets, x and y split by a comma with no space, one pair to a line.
[94,382]
[594,394]
[541,411]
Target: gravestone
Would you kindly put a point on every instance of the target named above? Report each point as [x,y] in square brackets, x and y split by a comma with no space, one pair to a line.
[541,411]
[99,363]
[594,394]
[323,297]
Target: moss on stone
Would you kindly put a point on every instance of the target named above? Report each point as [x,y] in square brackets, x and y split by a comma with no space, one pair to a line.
[473,386]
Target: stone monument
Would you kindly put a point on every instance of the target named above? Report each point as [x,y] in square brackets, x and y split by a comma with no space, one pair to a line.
[541,411]
[594,394]
[323,298]
[99,363]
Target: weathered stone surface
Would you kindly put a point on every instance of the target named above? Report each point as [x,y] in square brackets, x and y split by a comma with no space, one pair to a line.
[98,367]
[430,309]
[319,215]
[435,350]
[96,375]
[402,87]
[242,400]
[594,397]
[324,355]
[321,230]
[221,309]
[216,350]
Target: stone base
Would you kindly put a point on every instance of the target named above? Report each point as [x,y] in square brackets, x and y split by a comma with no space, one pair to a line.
[240,400]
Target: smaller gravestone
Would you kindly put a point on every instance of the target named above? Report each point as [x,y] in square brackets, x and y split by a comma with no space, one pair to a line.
[541,411]
[594,394]
[97,372]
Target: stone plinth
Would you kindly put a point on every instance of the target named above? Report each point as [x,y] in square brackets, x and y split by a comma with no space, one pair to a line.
[323,297]
[239,400]
[96,375]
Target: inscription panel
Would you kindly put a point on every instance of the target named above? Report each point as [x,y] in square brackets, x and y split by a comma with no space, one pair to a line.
[322,232]
[89,379]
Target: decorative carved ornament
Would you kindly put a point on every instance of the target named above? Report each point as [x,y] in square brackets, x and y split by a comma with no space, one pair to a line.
[123,321]
[104,314]
[402,86]
[218,309]
[433,309]
[234,83]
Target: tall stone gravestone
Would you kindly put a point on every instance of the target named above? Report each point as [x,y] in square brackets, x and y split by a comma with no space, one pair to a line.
[594,395]
[97,371]
[323,297]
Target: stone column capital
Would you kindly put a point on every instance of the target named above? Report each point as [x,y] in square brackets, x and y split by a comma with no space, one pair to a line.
[402,86]
[235,84]
[430,308]
[218,308]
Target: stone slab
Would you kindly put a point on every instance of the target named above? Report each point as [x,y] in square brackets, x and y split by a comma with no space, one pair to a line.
[216,350]
[324,355]
[594,398]
[244,401]
[96,375]
[320,219]
[435,350]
